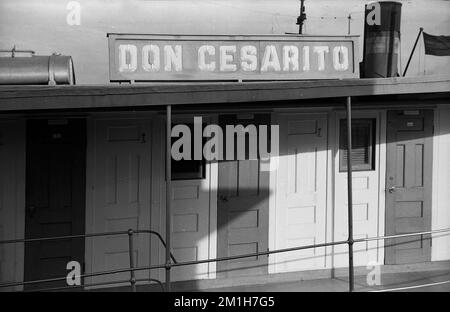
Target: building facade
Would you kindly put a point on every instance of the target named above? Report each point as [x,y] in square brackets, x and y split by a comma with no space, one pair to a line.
[86,159]
[105,170]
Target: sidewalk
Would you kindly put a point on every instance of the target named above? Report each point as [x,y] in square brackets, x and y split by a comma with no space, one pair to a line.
[388,281]
[432,276]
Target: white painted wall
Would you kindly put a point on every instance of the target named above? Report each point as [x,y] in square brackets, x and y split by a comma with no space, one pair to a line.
[329,199]
[12,199]
[440,218]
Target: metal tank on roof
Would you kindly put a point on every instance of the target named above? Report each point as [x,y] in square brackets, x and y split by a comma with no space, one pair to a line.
[32,69]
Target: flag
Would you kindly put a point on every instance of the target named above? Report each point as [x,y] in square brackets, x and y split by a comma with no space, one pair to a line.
[436,45]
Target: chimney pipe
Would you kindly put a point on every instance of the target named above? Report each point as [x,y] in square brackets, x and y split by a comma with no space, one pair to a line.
[381,40]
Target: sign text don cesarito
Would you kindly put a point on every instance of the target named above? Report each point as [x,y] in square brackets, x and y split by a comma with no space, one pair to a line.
[148,58]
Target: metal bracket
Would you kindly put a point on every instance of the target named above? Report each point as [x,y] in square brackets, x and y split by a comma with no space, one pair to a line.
[51,70]
[13,51]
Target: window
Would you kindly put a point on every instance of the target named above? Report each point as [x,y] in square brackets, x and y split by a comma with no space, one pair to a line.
[363,144]
[188,169]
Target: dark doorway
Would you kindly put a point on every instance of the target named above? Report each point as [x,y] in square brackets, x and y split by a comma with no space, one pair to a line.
[408,185]
[55,197]
[243,206]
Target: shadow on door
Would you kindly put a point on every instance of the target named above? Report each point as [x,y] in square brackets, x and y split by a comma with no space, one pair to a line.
[55,197]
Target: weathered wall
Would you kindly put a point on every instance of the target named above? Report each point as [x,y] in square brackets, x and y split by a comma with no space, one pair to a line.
[440,249]
[12,198]
[42,25]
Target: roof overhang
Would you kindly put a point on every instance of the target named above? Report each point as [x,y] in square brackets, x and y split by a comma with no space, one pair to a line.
[29,98]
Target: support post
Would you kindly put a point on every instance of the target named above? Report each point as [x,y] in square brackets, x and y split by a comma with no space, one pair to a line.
[350,195]
[131,253]
[412,52]
[168,192]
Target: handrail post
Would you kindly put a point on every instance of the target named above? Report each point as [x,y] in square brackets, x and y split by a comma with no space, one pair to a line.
[168,191]
[350,195]
[131,253]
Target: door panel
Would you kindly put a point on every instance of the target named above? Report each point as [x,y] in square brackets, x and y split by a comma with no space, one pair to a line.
[190,226]
[242,208]
[408,185]
[301,191]
[121,190]
[55,196]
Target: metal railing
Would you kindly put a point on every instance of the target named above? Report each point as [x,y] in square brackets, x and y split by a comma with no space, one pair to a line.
[132,269]
[131,233]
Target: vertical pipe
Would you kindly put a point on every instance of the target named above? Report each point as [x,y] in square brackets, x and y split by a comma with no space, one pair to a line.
[349,17]
[350,194]
[168,191]
[302,17]
[131,253]
[391,46]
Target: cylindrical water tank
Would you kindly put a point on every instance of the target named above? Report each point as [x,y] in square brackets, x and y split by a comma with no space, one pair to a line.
[381,39]
[35,70]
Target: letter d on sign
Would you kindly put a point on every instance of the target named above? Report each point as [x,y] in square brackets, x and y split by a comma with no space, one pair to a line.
[73,277]
[127,58]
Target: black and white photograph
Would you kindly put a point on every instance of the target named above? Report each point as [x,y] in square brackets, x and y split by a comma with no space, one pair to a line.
[216,154]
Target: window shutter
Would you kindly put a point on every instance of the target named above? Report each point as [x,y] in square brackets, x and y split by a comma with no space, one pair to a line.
[363,144]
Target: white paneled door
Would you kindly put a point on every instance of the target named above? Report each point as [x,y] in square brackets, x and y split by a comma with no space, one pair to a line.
[194,202]
[366,188]
[121,194]
[243,206]
[301,191]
